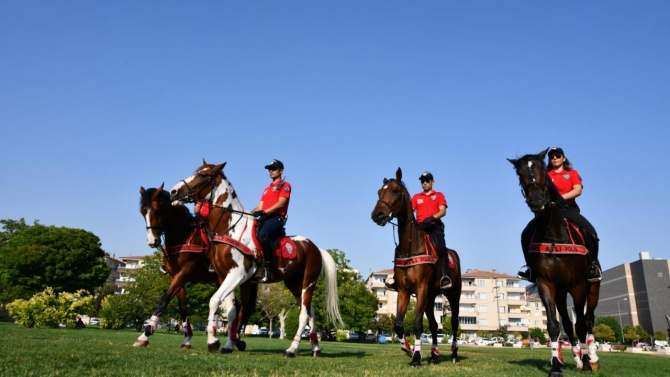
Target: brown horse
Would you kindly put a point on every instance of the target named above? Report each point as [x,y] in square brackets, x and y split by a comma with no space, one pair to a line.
[186,245]
[416,271]
[237,256]
[559,262]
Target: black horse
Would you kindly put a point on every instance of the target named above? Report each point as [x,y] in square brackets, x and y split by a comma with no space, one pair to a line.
[558,259]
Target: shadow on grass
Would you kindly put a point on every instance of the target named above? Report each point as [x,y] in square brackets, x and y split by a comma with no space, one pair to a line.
[308,353]
[539,364]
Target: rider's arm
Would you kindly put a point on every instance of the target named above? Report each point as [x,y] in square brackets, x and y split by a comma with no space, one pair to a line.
[259,207]
[441,213]
[575,192]
[280,204]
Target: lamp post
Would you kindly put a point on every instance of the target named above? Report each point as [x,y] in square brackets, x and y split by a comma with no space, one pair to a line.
[623,340]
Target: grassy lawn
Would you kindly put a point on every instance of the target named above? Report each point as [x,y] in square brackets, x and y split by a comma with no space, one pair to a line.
[95,352]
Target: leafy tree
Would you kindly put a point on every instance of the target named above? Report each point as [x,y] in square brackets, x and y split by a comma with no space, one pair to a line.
[34,257]
[292,321]
[612,323]
[483,333]
[197,301]
[386,324]
[273,299]
[502,332]
[630,334]
[642,334]
[603,333]
[344,274]
[661,335]
[524,334]
[49,309]
[537,332]
[447,329]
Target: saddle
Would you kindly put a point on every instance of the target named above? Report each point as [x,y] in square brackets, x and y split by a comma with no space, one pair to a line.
[429,258]
[284,247]
[574,233]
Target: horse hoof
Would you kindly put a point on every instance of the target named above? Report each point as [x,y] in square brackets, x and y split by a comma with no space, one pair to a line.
[415,364]
[226,351]
[555,374]
[241,345]
[214,346]
[185,346]
[432,360]
[289,355]
[595,365]
[316,353]
[141,343]
[454,360]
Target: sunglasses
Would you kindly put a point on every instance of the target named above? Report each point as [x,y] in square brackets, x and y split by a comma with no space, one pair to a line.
[424,181]
[553,156]
[273,169]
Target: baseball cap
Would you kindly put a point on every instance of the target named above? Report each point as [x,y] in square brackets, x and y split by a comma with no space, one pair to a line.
[556,150]
[275,164]
[426,175]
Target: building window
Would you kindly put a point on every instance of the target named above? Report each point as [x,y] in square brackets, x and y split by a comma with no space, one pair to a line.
[482,308]
[483,321]
[544,314]
[500,283]
[481,283]
[502,322]
[467,295]
[467,320]
[438,306]
[501,297]
[501,309]
[482,296]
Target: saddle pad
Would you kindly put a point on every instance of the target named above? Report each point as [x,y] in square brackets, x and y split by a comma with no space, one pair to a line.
[547,248]
[286,249]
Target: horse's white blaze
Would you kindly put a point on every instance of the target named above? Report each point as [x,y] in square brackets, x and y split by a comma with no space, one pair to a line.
[385,186]
[530,164]
[179,185]
[151,239]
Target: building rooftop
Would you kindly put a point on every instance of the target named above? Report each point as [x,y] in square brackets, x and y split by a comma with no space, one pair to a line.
[486,274]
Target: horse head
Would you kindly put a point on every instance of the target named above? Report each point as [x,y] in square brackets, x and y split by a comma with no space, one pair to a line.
[394,201]
[199,186]
[154,203]
[533,179]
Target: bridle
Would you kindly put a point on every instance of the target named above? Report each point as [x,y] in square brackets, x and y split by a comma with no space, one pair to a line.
[393,214]
[544,188]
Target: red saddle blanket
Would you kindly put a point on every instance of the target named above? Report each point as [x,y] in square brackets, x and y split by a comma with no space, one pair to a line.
[562,248]
[286,249]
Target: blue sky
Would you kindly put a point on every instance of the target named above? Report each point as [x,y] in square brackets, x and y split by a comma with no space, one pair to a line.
[100,98]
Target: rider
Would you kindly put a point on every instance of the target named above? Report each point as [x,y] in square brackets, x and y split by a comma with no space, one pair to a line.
[271,213]
[430,207]
[568,182]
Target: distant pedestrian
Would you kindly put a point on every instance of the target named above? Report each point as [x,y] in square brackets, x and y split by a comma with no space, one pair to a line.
[531,343]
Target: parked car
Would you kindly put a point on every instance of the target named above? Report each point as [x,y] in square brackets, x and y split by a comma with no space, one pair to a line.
[369,336]
[94,321]
[483,341]
[387,337]
[263,332]
[276,333]
[201,327]
[353,335]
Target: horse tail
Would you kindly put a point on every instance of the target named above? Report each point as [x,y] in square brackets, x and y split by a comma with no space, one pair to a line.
[332,306]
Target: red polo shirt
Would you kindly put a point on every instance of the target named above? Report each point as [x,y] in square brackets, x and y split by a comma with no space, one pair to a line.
[565,181]
[427,205]
[272,194]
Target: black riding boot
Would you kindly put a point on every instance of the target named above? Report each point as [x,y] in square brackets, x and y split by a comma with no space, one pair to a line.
[595,274]
[391,284]
[445,281]
[267,259]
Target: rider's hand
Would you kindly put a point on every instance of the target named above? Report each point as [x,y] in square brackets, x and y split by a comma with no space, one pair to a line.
[258,214]
[428,220]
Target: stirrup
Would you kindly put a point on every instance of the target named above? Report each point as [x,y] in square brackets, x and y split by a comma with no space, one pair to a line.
[595,274]
[524,274]
[445,282]
[163,269]
[392,286]
[211,268]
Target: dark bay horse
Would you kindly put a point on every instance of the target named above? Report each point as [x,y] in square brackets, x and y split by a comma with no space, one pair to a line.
[236,255]
[416,271]
[558,259]
[186,244]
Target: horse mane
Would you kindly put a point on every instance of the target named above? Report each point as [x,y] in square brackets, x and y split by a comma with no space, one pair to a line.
[146,198]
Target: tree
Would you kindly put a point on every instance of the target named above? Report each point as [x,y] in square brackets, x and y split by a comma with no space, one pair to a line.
[537,332]
[49,309]
[344,274]
[661,335]
[386,324]
[612,323]
[483,333]
[642,334]
[502,332]
[630,334]
[408,322]
[273,299]
[447,329]
[34,257]
[603,333]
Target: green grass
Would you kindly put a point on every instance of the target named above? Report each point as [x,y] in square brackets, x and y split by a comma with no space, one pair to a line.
[96,352]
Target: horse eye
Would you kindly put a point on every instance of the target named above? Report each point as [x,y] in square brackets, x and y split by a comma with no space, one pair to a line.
[395,190]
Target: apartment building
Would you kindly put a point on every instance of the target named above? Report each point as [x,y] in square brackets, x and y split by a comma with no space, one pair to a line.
[489,299]
[125,271]
[115,265]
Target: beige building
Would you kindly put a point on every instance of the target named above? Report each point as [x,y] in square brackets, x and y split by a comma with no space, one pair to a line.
[489,299]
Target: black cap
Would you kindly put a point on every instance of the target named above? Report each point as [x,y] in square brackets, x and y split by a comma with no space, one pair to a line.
[426,175]
[275,164]
[556,150]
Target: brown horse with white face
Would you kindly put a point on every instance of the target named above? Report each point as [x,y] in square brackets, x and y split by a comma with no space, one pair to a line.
[416,271]
[558,258]
[186,245]
[237,256]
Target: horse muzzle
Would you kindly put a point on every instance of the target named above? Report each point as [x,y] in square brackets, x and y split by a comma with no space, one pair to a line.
[380,218]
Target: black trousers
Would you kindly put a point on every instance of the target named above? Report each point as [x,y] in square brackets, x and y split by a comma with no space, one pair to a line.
[436,234]
[572,214]
[271,228]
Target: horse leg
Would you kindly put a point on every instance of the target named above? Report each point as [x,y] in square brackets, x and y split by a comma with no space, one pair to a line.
[432,323]
[176,283]
[231,313]
[403,301]
[562,307]
[186,324]
[305,300]
[547,294]
[454,298]
[421,298]
[232,281]
[582,352]
[313,335]
[248,296]
[593,293]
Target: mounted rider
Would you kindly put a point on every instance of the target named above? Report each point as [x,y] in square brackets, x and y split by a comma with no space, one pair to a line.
[430,207]
[271,214]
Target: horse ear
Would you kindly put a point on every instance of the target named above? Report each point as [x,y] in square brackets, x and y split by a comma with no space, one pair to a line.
[141,190]
[543,153]
[398,175]
[161,188]
[204,162]
[513,161]
[220,167]
[386,181]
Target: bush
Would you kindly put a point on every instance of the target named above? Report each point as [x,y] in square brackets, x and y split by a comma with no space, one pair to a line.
[113,313]
[291,322]
[47,309]
[340,336]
